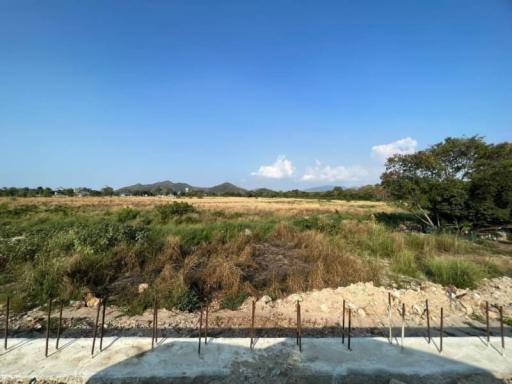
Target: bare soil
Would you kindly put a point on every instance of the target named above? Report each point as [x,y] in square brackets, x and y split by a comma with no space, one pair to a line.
[464,313]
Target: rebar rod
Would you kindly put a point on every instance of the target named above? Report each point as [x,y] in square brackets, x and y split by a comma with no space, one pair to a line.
[441,333]
[104,302]
[95,328]
[487,330]
[6,333]
[206,325]
[502,330]
[59,326]
[153,334]
[252,323]
[349,327]
[343,324]
[297,322]
[156,320]
[48,326]
[428,320]
[389,319]
[300,330]
[403,324]
[200,330]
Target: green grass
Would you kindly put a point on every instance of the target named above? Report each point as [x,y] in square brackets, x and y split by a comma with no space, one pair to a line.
[188,255]
[457,272]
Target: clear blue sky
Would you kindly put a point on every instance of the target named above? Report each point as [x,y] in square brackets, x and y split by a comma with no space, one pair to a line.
[259,93]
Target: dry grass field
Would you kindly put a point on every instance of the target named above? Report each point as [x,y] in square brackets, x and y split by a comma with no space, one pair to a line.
[190,250]
[284,206]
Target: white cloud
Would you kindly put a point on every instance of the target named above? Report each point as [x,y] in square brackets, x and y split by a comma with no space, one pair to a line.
[324,173]
[281,168]
[403,146]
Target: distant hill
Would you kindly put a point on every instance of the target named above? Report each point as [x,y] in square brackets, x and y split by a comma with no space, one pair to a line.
[161,187]
[225,188]
[322,188]
[167,187]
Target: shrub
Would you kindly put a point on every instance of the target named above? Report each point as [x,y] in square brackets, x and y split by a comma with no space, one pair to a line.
[233,301]
[404,263]
[458,272]
[126,214]
[185,300]
[167,211]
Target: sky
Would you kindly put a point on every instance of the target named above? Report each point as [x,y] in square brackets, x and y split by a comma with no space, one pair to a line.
[278,94]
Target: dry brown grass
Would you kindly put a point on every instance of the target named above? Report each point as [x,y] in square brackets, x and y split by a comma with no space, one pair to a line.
[284,206]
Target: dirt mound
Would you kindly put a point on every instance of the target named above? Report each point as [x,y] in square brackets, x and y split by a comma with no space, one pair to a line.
[464,312]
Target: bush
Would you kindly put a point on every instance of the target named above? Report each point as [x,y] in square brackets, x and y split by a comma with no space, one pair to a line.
[233,301]
[457,272]
[185,300]
[167,211]
[404,263]
[126,214]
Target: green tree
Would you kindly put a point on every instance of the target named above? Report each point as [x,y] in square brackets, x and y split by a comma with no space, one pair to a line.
[107,191]
[461,181]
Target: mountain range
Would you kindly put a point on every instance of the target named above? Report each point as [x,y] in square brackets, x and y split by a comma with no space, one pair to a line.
[167,186]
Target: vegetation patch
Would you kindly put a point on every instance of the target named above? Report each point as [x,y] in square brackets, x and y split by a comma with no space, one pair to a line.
[457,272]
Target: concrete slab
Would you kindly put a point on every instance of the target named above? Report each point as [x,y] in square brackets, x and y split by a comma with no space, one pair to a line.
[130,359]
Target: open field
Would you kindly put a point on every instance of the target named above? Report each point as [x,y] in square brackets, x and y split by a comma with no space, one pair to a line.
[224,251]
[285,206]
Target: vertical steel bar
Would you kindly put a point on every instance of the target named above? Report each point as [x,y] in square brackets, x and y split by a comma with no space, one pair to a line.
[6,334]
[389,319]
[206,325]
[349,327]
[487,331]
[156,320]
[343,325]
[59,326]
[441,334]
[502,330]
[104,302]
[403,324]
[200,331]
[300,330]
[153,334]
[428,320]
[297,322]
[252,323]
[48,326]
[95,328]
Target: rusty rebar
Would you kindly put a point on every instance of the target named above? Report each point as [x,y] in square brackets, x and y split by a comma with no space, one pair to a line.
[59,326]
[441,333]
[343,324]
[206,325]
[300,328]
[487,330]
[95,328]
[48,326]
[153,335]
[297,322]
[428,320]
[200,331]
[389,319]
[104,302]
[6,333]
[252,323]
[349,327]
[502,330]
[403,324]
[156,320]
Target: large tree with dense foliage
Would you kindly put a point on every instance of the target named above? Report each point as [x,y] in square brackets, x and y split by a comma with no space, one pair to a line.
[459,182]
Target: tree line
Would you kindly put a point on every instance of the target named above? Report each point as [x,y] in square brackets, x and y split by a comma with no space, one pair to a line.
[463,183]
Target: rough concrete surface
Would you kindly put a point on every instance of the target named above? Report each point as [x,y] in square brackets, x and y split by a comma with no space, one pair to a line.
[274,360]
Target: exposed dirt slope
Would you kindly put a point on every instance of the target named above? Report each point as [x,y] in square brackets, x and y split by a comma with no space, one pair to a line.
[464,312]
